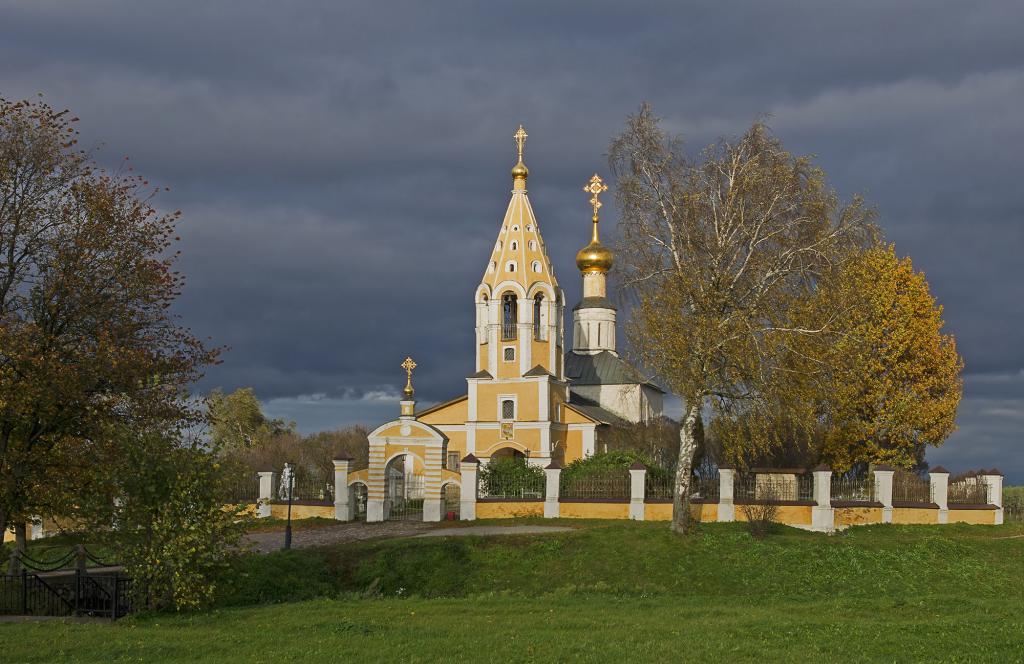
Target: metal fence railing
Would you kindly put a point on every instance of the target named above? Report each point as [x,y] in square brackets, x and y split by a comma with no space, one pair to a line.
[604,484]
[67,594]
[522,486]
[971,491]
[910,488]
[853,488]
[243,489]
[769,486]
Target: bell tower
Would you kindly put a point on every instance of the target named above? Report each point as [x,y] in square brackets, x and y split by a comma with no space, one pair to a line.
[518,302]
[594,317]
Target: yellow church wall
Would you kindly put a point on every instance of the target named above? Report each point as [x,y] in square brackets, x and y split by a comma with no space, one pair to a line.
[915,515]
[415,450]
[792,515]
[703,512]
[573,446]
[508,369]
[593,510]
[570,416]
[857,516]
[488,394]
[359,476]
[508,510]
[302,511]
[483,355]
[454,412]
[489,440]
[540,352]
[978,517]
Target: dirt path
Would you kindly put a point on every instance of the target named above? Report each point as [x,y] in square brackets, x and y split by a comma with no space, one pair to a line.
[357,531]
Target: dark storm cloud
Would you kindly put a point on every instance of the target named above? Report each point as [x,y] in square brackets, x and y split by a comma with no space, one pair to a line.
[343,169]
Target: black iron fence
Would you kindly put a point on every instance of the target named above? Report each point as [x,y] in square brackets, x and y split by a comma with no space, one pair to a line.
[243,489]
[69,593]
[774,486]
[523,486]
[853,488]
[971,491]
[910,488]
[659,487]
[604,484]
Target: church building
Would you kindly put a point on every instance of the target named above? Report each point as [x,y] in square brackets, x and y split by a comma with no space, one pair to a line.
[529,396]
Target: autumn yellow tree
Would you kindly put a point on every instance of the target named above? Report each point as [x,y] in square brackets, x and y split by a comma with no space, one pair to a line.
[894,383]
[718,252]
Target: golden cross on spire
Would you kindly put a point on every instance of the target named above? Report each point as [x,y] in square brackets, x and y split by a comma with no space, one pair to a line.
[408,365]
[520,137]
[596,188]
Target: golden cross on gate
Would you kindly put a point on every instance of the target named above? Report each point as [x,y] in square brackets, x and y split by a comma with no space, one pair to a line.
[408,365]
[596,187]
[520,137]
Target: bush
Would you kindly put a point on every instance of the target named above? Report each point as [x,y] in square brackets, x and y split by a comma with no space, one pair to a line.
[618,459]
[511,478]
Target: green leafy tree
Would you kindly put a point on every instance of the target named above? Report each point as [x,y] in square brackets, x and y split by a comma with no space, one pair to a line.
[237,421]
[87,340]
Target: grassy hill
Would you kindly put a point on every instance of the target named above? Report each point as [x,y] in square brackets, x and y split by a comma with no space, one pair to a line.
[610,590]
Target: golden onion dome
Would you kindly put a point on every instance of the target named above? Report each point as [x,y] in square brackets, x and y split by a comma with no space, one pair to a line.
[595,257]
[520,171]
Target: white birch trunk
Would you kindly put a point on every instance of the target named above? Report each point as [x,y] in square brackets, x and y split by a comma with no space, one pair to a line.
[687,449]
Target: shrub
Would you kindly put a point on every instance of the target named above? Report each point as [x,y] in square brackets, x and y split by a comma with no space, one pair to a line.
[511,477]
[618,459]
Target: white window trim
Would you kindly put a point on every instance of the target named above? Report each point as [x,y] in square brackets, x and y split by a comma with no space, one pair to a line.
[515,407]
[503,356]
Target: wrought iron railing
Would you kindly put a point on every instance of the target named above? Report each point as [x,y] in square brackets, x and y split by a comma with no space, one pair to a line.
[853,488]
[605,484]
[521,486]
[910,488]
[971,491]
[772,486]
[243,489]
[660,487]
[65,594]
[509,331]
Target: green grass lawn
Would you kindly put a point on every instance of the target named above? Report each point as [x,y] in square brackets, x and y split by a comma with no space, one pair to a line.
[608,591]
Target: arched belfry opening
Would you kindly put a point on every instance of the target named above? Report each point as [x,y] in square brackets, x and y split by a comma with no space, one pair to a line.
[509,315]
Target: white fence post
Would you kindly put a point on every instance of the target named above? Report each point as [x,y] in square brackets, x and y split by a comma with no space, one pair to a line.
[552,474]
[726,493]
[823,517]
[468,489]
[883,490]
[994,480]
[938,478]
[637,477]
[342,506]
[266,493]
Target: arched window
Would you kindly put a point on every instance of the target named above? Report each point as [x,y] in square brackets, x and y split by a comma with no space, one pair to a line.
[509,316]
[514,245]
[538,307]
[536,266]
[533,245]
[511,266]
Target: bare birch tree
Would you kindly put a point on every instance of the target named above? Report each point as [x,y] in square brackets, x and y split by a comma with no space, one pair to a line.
[717,252]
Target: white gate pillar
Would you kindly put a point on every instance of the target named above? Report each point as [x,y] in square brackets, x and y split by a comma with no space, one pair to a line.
[883,490]
[266,493]
[823,517]
[938,478]
[637,477]
[342,507]
[994,480]
[726,494]
[552,474]
[468,491]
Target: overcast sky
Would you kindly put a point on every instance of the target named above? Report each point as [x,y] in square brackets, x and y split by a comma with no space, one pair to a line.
[343,167]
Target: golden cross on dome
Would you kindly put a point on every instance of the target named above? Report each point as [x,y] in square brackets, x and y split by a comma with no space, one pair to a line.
[408,365]
[596,188]
[520,137]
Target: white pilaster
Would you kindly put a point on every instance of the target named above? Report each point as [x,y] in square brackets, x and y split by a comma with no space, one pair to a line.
[342,508]
[726,507]
[552,474]
[883,491]
[637,476]
[938,478]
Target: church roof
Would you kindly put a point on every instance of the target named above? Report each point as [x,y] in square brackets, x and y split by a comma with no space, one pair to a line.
[483,373]
[604,368]
[538,371]
[519,255]
[593,411]
[594,303]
